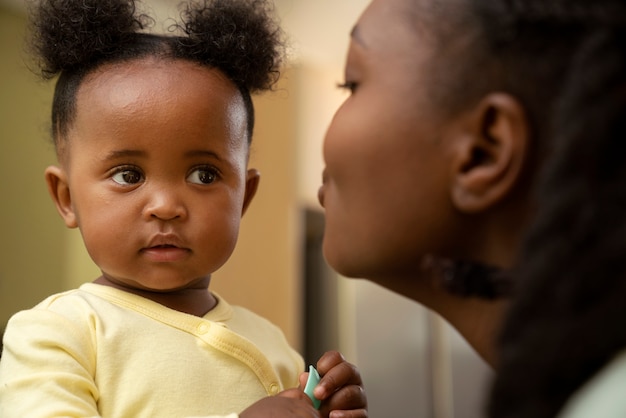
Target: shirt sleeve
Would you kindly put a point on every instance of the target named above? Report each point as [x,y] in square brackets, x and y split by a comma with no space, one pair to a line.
[47,368]
[601,397]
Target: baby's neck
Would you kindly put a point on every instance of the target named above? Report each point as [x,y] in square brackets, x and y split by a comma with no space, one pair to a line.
[197,300]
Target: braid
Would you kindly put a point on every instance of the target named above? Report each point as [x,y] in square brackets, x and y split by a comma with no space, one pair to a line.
[568,12]
[566,322]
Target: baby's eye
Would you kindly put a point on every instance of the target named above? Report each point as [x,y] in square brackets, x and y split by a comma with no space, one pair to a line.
[202,175]
[127,176]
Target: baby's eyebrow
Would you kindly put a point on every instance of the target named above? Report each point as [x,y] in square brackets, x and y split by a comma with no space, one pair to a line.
[202,153]
[126,153]
[117,154]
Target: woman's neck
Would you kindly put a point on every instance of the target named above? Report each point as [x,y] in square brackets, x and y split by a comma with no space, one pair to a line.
[477,320]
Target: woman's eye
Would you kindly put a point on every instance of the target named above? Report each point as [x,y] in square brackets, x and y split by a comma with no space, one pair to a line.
[202,175]
[127,176]
[348,85]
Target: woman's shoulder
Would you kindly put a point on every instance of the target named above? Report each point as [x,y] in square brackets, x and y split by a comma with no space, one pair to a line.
[603,395]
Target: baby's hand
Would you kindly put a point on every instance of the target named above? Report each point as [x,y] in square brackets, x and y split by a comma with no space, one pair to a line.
[292,403]
[340,389]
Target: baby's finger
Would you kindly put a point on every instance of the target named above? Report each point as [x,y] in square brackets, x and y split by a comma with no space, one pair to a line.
[295,394]
[302,379]
[329,360]
[350,397]
[341,375]
[357,413]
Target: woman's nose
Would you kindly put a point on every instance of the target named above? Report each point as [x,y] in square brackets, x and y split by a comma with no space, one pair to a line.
[165,205]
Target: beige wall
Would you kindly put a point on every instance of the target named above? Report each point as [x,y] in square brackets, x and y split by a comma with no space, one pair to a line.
[32,238]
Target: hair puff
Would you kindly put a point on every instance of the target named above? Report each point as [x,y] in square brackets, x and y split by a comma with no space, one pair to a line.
[239,37]
[65,34]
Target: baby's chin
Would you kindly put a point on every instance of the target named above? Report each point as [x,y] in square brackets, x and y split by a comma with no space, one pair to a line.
[156,286]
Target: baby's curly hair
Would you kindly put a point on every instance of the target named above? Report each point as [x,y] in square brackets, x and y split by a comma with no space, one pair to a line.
[72,38]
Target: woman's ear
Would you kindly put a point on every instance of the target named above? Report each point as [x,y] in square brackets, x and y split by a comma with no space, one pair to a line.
[489,162]
[59,190]
[252,184]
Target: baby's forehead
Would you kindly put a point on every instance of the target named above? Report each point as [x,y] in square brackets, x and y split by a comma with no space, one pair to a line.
[151,70]
[125,83]
[148,92]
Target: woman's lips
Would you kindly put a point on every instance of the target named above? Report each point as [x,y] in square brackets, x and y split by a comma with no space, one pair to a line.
[321,191]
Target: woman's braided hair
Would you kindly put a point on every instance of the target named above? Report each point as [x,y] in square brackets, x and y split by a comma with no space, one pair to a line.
[565,61]
[566,320]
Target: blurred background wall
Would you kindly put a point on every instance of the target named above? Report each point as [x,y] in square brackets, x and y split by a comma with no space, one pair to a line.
[414,365]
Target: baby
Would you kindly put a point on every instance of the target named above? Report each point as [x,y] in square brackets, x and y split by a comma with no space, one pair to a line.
[152,135]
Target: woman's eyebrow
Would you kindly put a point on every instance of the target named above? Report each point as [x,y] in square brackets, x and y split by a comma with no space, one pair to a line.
[355,34]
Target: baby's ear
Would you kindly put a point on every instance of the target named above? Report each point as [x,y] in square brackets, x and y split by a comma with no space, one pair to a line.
[59,190]
[489,160]
[252,184]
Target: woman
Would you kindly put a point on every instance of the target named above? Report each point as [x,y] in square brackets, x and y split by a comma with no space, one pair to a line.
[458,107]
